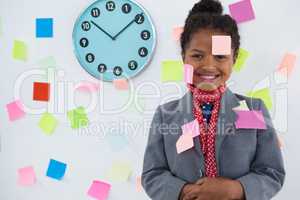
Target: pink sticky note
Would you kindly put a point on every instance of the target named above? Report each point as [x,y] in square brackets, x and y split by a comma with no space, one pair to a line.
[191,128]
[15,110]
[250,119]
[221,45]
[177,31]
[188,73]
[287,64]
[88,87]
[26,176]
[242,11]
[121,84]
[184,143]
[99,190]
[139,184]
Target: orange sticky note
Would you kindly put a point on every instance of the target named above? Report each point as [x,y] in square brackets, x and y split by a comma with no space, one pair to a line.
[221,45]
[26,176]
[287,64]
[176,33]
[121,84]
[41,91]
[184,143]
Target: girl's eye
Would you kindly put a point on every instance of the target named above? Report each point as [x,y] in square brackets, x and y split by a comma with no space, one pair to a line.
[197,56]
[220,57]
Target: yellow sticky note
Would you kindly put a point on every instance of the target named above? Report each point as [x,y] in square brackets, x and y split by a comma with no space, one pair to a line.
[20,50]
[120,171]
[263,94]
[78,118]
[48,123]
[172,71]
[241,60]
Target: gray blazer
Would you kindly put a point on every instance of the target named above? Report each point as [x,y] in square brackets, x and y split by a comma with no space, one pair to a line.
[251,156]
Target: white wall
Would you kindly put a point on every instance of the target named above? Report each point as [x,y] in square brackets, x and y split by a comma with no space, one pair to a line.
[273,33]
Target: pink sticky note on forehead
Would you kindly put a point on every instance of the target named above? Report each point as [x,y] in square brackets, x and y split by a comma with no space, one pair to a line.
[221,45]
[188,73]
[250,119]
[191,128]
[242,11]
[99,190]
[26,176]
[184,143]
[15,110]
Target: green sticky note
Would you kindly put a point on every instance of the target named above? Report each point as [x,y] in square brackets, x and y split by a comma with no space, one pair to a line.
[263,94]
[120,172]
[172,71]
[78,118]
[20,50]
[48,62]
[241,59]
[48,123]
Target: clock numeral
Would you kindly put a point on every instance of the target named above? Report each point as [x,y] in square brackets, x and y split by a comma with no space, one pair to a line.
[126,8]
[95,12]
[145,35]
[110,6]
[90,57]
[84,42]
[102,68]
[139,18]
[118,71]
[143,51]
[132,65]
[86,26]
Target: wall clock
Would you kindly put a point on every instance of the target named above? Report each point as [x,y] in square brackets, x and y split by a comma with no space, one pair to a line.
[114,39]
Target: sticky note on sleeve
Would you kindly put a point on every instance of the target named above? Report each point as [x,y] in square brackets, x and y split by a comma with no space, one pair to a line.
[48,123]
[250,119]
[56,169]
[20,50]
[15,110]
[242,11]
[26,176]
[172,70]
[99,190]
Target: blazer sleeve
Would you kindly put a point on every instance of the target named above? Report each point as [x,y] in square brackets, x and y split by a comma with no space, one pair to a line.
[267,172]
[157,179]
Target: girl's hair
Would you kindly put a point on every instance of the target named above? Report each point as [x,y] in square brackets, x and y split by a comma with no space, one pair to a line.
[208,14]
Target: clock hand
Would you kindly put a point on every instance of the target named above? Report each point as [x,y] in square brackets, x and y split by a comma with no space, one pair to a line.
[102,30]
[131,22]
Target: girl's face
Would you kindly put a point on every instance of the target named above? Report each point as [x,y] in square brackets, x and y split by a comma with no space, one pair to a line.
[210,71]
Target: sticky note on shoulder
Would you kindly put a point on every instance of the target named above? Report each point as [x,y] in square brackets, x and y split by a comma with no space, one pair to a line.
[99,190]
[48,123]
[242,11]
[20,50]
[56,169]
[26,176]
[15,110]
[78,118]
[172,70]
[221,45]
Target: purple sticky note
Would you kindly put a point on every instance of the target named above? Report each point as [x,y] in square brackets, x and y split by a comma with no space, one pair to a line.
[242,11]
[26,176]
[99,190]
[15,110]
[250,119]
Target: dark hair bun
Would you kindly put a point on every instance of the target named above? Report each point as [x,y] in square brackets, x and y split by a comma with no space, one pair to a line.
[208,6]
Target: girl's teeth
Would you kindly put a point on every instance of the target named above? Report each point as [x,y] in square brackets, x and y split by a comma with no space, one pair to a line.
[208,77]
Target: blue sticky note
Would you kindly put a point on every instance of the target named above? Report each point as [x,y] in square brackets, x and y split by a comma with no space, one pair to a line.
[56,169]
[44,27]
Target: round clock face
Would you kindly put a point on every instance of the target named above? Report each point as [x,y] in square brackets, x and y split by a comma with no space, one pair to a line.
[114,39]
